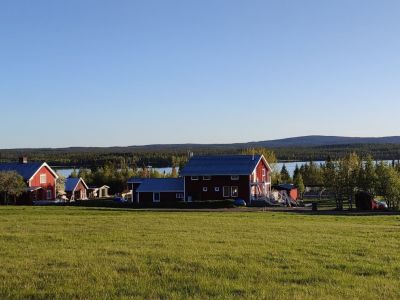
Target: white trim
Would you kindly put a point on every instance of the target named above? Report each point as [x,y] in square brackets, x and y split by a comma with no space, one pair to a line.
[223,191]
[216,189]
[43,178]
[159,197]
[265,161]
[184,189]
[48,167]
[237,193]
[235,177]
[194,178]
[180,195]
[206,178]
[205,189]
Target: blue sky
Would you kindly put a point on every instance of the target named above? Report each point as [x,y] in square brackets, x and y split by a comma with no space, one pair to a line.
[104,73]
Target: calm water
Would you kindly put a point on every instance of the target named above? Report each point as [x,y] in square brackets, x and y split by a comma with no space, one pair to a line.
[68,171]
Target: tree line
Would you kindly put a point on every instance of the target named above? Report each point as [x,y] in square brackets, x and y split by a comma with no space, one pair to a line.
[163,155]
[344,177]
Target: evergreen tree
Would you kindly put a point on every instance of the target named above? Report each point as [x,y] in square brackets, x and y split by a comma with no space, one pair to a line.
[285,176]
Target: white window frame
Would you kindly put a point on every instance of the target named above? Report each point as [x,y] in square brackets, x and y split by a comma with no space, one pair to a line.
[228,188]
[216,189]
[235,177]
[264,174]
[154,197]
[49,194]
[194,178]
[43,179]
[237,191]
[179,196]
[206,177]
[205,189]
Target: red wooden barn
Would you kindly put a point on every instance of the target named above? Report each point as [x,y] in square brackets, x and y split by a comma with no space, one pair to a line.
[39,177]
[227,177]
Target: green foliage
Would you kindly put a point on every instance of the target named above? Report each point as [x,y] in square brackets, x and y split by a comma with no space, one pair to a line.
[11,184]
[285,176]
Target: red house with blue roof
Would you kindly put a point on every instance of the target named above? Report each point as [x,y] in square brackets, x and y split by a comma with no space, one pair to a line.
[216,177]
[39,177]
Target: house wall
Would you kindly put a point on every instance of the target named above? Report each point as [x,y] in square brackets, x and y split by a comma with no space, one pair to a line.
[194,188]
[165,197]
[294,194]
[49,185]
[261,165]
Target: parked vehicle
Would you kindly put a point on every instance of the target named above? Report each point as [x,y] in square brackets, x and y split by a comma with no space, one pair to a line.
[240,202]
[120,199]
[381,205]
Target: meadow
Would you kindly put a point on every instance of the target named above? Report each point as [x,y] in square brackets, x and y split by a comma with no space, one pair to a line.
[90,253]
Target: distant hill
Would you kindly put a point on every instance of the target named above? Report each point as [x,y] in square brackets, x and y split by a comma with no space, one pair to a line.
[320,140]
[302,141]
[302,148]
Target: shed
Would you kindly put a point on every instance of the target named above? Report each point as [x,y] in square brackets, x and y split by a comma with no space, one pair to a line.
[76,189]
[156,190]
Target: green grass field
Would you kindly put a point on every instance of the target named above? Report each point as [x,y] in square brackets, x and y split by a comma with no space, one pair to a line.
[88,253]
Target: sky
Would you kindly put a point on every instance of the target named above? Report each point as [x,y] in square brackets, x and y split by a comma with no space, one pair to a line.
[117,73]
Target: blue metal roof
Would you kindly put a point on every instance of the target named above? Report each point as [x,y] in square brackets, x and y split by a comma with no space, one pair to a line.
[161,185]
[25,170]
[221,165]
[284,186]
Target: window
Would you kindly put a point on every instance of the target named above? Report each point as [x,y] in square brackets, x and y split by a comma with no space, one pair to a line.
[49,195]
[264,174]
[179,195]
[235,191]
[194,177]
[226,191]
[205,189]
[156,197]
[43,178]
[216,189]
[206,177]
[234,177]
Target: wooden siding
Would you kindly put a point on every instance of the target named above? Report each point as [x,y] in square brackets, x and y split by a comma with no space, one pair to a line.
[49,185]
[165,197]
[194,188]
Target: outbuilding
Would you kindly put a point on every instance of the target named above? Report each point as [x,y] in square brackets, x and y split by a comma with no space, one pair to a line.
[76,188]
[160,190]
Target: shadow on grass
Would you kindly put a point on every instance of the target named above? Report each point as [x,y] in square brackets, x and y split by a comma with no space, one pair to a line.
[220,206]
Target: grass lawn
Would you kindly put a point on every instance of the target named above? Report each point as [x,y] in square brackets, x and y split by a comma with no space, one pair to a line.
[73,252]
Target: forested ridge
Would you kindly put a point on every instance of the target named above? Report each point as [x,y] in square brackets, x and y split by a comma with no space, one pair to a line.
[169,155]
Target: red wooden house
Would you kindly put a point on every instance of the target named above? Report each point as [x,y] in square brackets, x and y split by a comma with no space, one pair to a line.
[76,189]
[39,177]
[227,177]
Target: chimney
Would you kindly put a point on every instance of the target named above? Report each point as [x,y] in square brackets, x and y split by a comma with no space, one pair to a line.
[23,160]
